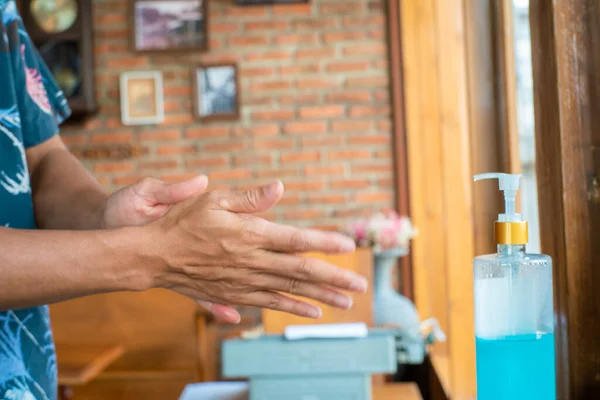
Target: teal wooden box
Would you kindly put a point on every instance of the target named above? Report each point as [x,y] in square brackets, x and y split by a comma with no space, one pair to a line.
[274,356]
[307,387]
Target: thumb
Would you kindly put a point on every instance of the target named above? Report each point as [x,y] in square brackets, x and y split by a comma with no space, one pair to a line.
[252,200]
[176,192]
[221,312]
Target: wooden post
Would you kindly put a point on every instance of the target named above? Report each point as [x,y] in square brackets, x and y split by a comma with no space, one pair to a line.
[565,38]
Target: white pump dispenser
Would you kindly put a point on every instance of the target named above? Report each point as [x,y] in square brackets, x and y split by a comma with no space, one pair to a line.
[509,184]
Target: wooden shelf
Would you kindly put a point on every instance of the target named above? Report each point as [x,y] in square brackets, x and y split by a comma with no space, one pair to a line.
[80,364]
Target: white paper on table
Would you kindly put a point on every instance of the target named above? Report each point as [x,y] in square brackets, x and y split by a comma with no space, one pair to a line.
[326,331]
[216,391]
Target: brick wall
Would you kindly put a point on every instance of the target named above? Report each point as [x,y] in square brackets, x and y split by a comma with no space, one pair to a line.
[315,108]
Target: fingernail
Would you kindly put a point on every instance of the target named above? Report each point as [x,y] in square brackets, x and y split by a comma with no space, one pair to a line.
[273,188]
[343,301]
[359,285]
[314,313]
[348,247]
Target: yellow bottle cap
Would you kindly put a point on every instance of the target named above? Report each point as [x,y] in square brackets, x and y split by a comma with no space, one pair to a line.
[511,232]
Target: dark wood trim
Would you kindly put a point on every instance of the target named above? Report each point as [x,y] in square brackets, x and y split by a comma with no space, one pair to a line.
[204,47]
[234,116]
[565,39]
[399,130]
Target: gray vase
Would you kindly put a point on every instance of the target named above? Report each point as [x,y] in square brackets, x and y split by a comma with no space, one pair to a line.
[389,307]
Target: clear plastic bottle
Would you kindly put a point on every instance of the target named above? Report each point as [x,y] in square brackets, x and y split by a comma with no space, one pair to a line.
[514,318]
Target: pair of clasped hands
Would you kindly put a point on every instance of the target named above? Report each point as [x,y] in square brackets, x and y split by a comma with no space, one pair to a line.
[219,253]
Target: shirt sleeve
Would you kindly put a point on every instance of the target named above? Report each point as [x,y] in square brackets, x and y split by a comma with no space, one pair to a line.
[42,104]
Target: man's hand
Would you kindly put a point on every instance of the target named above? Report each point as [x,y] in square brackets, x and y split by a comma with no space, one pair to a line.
[211,248]
[148,200]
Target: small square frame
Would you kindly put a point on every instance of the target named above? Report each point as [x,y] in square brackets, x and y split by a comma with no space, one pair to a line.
[126,117]
[196,101]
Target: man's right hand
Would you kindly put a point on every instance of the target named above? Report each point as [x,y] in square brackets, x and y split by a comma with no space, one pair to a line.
[212,249]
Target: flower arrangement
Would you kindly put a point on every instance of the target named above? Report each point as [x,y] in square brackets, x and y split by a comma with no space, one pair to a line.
[385,230]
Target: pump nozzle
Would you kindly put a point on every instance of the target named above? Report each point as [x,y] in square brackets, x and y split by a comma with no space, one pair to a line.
[509,184]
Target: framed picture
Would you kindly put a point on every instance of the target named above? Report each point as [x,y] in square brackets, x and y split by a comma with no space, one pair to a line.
[251,2]
[142,100]
[216,92]
[169,25]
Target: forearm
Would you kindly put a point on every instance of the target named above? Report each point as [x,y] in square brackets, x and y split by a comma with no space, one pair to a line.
[65,194]
[43,267]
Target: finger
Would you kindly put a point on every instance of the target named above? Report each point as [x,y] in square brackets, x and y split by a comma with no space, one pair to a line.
[304,289]
[290,239]
[221,312]
[311,270]
[174,193]
[253,200]
[279,302]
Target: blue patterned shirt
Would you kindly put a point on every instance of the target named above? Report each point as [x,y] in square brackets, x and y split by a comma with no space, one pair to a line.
[31,108]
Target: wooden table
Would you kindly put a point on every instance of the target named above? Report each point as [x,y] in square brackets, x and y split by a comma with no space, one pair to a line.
[79,364]
[396,391]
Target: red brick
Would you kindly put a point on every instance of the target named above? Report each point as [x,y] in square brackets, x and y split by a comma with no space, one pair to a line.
[349,155]
[290,201]
[299,69]
[271,85]
[170,134]
[298,99]
[227,146]
[386,183]
[257,71]
[284,39]
[350,97]
[111,48]
[249,41]
[122,33]
[70,138]
[113,167]
[370,168]
[112,123]
[165,150]
[348,66]
[383,154]
[127,180]
[258,101]
[350,184]
[178,90]
[351,126]
[262,160]
[375,49]
[377,34]
[228,175]
[272,115]
[159,164]
[206,131]
[215,44]
[265,25]
[336,37]
[257,130]
[363,197]
[274,55]
[367,81]
[313,24]
[172,105]
[274,144]
[354,21]
[110,19]
[318,170]
[346,7]
[327,199]
[92,123]
[207,162]
[370,139]
[317,54]
[178,119]
[322,141]
[303,214]
[352,212]
[178,177]
[113,137]
[223,27]
[127,62]
[299,157]
[291,9]
[322,111]
[384,125]
[304,186]
[316,83]
[382,95]
[278,173]
[380,64]
[304,128]
[240,11]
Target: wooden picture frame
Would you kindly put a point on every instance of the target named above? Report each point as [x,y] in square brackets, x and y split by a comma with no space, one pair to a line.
[194,38]
[136,88]
[223,105]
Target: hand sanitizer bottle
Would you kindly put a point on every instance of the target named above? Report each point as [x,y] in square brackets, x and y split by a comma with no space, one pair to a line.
[514,318]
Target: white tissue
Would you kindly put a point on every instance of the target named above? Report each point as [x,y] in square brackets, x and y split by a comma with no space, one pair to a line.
[326,331]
